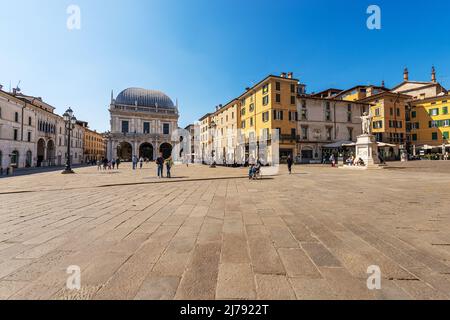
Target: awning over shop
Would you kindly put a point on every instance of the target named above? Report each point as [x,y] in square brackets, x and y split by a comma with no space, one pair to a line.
[337,144]
[380,145]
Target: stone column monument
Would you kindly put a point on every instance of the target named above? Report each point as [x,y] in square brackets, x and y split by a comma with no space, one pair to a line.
[366,145]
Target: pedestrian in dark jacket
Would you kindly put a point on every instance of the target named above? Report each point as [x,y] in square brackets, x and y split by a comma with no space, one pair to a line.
[160,166]
[290,162]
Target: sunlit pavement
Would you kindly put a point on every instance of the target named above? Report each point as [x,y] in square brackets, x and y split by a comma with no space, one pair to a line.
[213,234]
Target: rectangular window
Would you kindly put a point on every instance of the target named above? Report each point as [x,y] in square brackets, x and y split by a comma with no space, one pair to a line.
[391,111]
[166,128]
[434,136]
[414,137]
[293,133]
[329,133]
[350,134]
[293,102]
[278,98]
[305,133]
[16,117]
[278,86]
[16,133]
[265,100]
[265,116]
[444,110]
[266,89]
[413,114]
[377,112]
[304,111]
[378,125]
[434,112]
[277,115]
[243,112]
[292,88]
[125,127]
[445,135]
[251,122]
[146,127]
[29,121]
[243,124]
[398,112]
[29,137]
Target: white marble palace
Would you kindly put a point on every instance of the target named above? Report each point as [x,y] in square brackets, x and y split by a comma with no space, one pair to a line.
[142,122]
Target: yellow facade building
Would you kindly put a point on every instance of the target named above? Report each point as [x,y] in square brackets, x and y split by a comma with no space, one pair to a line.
[430,121]
[270,105]
[94,144]
[226,121]
[389,112]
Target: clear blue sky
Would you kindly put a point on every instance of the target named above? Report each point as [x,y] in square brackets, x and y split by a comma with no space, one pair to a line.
[205,52]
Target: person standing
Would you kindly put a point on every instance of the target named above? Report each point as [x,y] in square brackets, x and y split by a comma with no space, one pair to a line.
[332,160]
[134,162]
[105,164]
[113,162]
[169,164]
[117,163]
[160,165]
[290,162]
[141,162]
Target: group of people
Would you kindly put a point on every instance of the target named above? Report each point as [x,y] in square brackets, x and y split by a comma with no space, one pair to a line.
[160,163]
[135,160]
[354,161]
[254,170]
[106,164]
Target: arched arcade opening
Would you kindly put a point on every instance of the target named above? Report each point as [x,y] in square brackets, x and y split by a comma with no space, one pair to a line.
[125,151]
[166,150]
[146,151]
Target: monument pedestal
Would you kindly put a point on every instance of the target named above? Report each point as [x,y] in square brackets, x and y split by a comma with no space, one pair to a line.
[367,150]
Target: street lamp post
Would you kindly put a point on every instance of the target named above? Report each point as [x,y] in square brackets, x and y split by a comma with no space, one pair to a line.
[70,122]
[213,153]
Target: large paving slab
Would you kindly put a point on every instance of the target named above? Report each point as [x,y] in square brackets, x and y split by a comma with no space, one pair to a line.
[213,234]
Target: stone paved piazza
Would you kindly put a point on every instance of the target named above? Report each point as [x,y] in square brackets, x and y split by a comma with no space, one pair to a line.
[213,234]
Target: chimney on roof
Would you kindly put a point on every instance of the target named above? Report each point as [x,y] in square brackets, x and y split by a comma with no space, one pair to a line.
[247,89]
[283,74]
[433,74]
[382,84]
[290,75]
[406,75]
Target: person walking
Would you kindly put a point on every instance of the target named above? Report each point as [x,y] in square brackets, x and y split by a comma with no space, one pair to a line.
[99,165]
[141,162]
[290,162]
[169,164]
[333,161]
[113,162]
[134,160]
[160,166]
[117,163]
[105,164]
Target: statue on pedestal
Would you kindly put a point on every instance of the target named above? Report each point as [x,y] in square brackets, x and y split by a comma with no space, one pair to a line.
[366,121]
